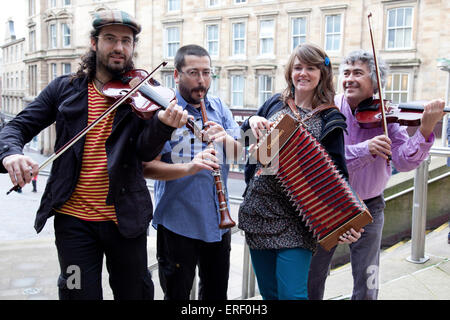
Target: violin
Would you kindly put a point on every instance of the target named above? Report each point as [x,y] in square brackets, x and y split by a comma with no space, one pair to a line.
[368,113]
[148,98]
[134,89]
[373,113]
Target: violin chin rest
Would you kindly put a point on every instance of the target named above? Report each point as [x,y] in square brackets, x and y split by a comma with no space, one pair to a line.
[368,105]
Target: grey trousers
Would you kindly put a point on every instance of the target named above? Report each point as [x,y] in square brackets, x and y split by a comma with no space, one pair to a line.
[364,255]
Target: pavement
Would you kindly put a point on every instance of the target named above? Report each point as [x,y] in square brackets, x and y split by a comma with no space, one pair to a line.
[29,264]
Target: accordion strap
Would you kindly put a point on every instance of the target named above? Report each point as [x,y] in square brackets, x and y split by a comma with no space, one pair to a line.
[310,114]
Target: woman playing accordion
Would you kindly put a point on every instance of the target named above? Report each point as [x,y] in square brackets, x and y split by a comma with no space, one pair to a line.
[281,243]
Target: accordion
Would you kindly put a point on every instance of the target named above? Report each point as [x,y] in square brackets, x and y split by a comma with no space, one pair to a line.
[323,198]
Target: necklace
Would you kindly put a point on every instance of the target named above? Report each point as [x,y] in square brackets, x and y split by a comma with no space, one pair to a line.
[101,83]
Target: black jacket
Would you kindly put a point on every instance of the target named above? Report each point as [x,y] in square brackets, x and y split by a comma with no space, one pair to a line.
[132,140]
[331,139]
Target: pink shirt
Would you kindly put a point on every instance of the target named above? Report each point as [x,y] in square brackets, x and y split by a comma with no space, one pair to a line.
[368,174]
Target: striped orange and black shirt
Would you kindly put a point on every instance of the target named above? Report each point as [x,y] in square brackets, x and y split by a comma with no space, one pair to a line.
[88,201]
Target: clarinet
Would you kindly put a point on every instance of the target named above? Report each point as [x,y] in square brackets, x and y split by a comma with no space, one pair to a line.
[225,218]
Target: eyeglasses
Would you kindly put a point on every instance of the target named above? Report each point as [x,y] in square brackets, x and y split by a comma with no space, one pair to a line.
[195,74]
[111,41]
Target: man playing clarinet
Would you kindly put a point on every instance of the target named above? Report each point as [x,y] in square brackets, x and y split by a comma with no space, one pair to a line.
[187,213]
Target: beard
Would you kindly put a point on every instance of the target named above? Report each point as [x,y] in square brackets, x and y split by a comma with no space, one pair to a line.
[115,69]
[189,94]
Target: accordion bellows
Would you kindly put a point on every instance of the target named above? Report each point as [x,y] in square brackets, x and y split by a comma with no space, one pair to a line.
[319,193]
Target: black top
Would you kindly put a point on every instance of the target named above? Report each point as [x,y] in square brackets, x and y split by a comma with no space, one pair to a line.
[266,215]
[132,140]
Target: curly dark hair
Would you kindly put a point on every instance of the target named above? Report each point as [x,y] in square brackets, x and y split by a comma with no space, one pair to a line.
[88,64]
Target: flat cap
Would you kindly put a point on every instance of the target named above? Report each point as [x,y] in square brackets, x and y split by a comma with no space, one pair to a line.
[110,17]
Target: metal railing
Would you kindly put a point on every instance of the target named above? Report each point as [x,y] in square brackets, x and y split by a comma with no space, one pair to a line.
[419,212]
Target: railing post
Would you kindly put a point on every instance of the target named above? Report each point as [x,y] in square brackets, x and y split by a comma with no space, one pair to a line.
[248,276]
[419,214]
[252,281]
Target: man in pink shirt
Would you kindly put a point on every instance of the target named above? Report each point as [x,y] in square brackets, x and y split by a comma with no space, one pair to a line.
[366,153]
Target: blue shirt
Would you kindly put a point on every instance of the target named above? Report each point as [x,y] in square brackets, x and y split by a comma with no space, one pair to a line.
[189,206]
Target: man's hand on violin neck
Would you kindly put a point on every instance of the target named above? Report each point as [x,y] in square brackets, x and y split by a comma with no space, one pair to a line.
[20,168]
[173,116]
[432,113]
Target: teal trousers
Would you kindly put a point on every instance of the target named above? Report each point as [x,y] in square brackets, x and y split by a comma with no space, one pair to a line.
[282,274]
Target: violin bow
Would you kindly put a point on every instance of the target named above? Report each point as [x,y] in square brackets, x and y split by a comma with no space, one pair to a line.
[380,92]
[83,132]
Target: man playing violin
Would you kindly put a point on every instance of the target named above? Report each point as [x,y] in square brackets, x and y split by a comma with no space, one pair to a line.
[187,211]
[367,152]
[96,189]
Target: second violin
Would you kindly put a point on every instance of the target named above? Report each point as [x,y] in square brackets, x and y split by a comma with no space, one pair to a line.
[368,114]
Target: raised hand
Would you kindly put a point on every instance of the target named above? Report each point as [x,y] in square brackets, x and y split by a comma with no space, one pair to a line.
[21,168]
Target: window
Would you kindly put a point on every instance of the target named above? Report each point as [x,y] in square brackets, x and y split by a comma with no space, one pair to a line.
[65,31]
[214,88]
[52,36]
[32,74]
[212,39]
[67,68]
[239,1]
[298,31]
[66,2]
[52,3]
[397,87]
[32,45]
[212,3]
[169,81]
[172,35]
[333,32]
[31,7]
[53,71]
[264,88]
[266,35]
[238,39]
[237,91]
[173,5]
[399,28]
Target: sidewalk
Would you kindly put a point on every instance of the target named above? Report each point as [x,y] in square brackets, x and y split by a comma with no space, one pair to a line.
[401,279]
[29,269]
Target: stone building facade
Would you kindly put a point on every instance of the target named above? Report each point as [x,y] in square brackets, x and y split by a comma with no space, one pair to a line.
[251,40]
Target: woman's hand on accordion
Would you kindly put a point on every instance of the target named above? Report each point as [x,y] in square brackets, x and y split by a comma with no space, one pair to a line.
[350,236]
[259,125]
